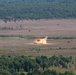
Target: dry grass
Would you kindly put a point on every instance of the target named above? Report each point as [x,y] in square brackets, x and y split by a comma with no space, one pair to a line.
[62,70]
[39,28]
[52,28]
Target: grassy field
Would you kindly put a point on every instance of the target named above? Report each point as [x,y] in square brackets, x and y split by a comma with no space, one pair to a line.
[40,28]
[24,46]
[16,38]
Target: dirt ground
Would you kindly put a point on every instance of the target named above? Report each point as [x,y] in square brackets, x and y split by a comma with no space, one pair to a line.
[39,28]
[51,28]
[27,47]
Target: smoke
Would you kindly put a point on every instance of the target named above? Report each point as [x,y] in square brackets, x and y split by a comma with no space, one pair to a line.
[41,41]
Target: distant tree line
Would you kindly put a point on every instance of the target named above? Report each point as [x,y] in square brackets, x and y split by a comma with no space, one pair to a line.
[12,65]
[37,9]
[49,72]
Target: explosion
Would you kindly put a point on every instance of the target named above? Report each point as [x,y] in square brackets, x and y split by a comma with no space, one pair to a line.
[41,41]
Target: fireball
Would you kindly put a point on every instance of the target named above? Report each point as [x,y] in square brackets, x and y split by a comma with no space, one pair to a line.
[41,41]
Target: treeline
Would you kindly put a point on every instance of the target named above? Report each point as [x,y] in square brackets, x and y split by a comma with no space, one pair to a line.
[37,9]
[48,72]
[16,65]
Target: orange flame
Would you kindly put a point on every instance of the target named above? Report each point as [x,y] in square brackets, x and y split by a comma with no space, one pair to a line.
[41,41]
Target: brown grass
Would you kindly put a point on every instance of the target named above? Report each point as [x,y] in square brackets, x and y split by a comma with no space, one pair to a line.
[39,28]
[60,28]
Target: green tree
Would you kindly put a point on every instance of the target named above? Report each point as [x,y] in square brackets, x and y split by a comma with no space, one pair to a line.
[4,72]
[21,73]
[69,73]
[17,65]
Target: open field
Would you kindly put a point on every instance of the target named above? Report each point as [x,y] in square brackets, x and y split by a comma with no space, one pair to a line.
[23,46]
[51,28]
[17,37]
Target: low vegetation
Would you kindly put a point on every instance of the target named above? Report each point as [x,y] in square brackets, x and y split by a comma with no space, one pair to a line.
[39,65]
